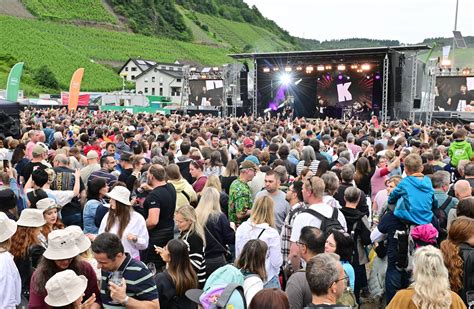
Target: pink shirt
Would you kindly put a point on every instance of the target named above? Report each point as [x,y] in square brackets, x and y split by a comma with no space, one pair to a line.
[378,180]
[29,149]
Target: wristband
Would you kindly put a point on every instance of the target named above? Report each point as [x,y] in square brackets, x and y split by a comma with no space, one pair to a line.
[125,301]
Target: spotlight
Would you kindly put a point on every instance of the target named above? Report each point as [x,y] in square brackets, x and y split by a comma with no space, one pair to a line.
[309,69]
[276,69]
[359,70]
[266,69]
[365,67]
[299,68]
[298,81]
[354,66]
[328,77]
[328,67]
[287,69]
[367,76]
[340,76]
[466,71]
[341,67]
[377,76]
[273,106]
[285,79]
[320,68]
[446,62]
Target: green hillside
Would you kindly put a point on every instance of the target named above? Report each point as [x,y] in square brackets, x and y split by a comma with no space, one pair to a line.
[88,10]
[64,48]
[241,36]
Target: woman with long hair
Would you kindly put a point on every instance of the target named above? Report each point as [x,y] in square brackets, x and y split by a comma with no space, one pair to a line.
[74,285]
[214,182]
[251,263]
[62,254]
[363,174]
[19,160]
[196,170]
[178,277]
[308,159]
[342,245]
[123,221]
[215,166]
[261,225]
[458,252]
[192,233]
[430,287]
[231,172]
[323,167]
[97,189]
[26,246]
[50,214]
[217,229]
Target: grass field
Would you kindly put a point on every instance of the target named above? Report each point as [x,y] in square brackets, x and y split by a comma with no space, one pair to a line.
[461,58]
[64,48]
[88,10]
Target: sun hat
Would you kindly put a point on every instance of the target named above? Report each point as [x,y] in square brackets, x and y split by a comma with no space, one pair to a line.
[248,165]
[120,194]
[31,217]
[64,288]
[81,240]
[7,227]
[61,246]
[47,204]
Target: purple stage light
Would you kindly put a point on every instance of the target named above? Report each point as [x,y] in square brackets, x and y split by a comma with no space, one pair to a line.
[273,106]
[377,76]
[340,77]
[328,77]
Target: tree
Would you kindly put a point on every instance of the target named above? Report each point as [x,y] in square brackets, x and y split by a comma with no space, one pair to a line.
[45,77]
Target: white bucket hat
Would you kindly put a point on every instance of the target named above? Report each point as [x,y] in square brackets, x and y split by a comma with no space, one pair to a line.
[31,217]
[61,246]
[120,194]
[81,240]
[47,204]
[7,227]
[64,288]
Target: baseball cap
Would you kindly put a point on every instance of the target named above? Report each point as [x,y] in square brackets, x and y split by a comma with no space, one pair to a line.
[247,164]
[248,142]
[343,161]
[253,159]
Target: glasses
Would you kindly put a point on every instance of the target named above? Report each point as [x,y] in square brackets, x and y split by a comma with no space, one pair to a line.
[299,243]
[345,279]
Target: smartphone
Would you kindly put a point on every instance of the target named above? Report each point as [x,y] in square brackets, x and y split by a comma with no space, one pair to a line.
[6,164]
[156,247]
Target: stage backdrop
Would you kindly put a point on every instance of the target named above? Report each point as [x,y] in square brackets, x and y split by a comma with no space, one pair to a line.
[206,92]
[455,93]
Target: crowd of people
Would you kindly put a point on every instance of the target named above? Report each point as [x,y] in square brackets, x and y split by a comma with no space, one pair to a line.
[114,210]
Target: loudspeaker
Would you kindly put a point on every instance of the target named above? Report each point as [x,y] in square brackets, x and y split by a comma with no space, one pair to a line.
[416,103]
[244,91]
[398,84]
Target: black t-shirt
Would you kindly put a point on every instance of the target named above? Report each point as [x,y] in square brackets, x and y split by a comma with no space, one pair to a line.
[167,293]
[164,198]
[127,177]
[29,168]
[389,224]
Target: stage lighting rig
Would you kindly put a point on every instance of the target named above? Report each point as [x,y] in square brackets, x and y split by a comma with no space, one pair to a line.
[365,67]
[341,67]
[328,67]
[299,68]
[320,68]
[276,69]
[285,79]
[309,69]
[287,69]
[266,70]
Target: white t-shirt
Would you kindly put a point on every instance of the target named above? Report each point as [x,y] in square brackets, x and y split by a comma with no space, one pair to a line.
[306,219]
[10,282]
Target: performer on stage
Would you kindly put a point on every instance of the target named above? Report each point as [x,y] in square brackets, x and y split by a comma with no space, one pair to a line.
[461,100]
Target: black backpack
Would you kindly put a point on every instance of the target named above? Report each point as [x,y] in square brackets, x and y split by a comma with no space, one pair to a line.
[327,224]
[440,214]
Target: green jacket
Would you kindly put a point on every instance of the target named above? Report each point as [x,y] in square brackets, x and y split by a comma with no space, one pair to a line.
[459,150]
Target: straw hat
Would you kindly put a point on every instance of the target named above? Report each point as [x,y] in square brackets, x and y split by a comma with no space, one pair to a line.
[64,288]
[7,227]
[81,240]
[120,194]
[61,246]
[31,217]
[47,204]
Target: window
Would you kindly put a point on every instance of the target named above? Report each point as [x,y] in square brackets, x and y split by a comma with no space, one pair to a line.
[152,91]
[161,84]
[146,80]
[133,77]
[153,79]
[175,91]
[134,69]
[146,90]
[126,69]
[178,80]
[161,91]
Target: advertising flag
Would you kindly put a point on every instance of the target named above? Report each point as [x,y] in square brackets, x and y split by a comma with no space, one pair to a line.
[74,88]
[13,82]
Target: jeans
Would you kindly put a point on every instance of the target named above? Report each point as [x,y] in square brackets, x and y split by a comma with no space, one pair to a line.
[394,280]
[272,283]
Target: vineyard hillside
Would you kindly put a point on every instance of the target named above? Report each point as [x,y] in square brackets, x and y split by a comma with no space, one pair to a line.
[64,48]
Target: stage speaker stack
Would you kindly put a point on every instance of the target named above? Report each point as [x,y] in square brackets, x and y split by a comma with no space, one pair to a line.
[416,103]
[398,84]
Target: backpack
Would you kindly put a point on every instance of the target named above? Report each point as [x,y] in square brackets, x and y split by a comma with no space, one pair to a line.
[327,224]
[440,214]
[223,289]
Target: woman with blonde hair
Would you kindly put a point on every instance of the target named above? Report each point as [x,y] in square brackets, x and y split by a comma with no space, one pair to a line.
[217,229]
[458,252]
[192,233]
[230,173]
[430,287]
[261,225]
[214,182]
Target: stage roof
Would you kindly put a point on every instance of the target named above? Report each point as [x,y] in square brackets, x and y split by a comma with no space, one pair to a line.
[333,52]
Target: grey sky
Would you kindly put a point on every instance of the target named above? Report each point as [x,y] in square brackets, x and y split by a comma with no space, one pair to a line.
[409,21]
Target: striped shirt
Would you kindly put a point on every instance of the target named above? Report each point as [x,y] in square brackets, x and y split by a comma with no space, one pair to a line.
[313,167]
[110,178]
[196,255]
[139,280]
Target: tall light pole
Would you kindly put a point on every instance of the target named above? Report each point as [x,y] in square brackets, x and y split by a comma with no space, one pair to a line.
[456,16]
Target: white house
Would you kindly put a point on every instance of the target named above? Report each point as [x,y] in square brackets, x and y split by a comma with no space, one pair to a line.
[162,79]
[134,67]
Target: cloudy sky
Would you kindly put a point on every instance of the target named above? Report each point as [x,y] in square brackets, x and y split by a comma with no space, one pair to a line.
[409,21]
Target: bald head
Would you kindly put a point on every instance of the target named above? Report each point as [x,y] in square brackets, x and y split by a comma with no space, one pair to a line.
[462,188]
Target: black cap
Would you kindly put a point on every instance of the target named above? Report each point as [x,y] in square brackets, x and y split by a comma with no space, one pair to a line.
[7,199]
[128,135]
